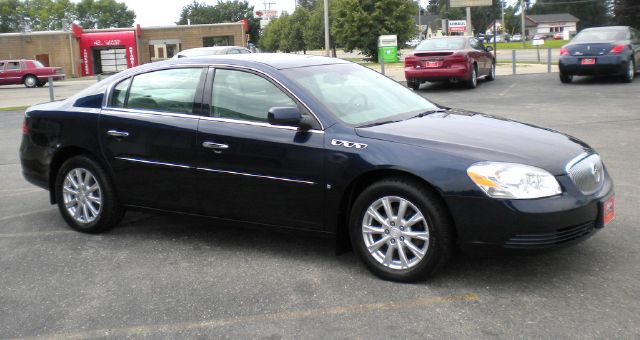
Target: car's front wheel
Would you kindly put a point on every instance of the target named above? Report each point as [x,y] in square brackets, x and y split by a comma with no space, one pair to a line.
[30,81]
[473,78]
[566,78]
[630,73]
[492,73]
[413,85]
[86,198]
[401,230]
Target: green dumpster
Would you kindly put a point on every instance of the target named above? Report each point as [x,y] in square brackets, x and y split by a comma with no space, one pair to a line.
[388,48]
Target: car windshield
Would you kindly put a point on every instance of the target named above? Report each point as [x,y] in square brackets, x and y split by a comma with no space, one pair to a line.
[357,95]
[441,44]
[600,35]
[38,64]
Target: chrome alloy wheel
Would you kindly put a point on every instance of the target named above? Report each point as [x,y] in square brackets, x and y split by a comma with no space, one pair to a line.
[30,81]
[631,70]
[82,195]
[395,232]
[493,71]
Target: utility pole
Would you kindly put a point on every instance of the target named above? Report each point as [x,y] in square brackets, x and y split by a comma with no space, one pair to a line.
[469,30]
[327,47]
[522,10]
[419,21]
[504,25]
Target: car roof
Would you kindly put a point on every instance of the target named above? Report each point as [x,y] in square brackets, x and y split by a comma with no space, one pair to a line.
[275,60]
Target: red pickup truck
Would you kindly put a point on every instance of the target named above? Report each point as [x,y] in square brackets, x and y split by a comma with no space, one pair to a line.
[31,73]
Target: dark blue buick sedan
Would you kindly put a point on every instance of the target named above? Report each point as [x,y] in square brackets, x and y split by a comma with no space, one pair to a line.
[317,144]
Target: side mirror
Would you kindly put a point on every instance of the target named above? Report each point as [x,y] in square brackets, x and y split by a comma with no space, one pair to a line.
[488,48]
[287,116]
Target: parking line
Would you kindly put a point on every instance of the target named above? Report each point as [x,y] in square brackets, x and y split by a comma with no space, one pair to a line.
[508,89]
[4,218]
[37,233]
[282,316]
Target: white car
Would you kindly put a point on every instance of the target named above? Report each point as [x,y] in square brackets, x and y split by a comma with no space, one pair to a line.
[213,50]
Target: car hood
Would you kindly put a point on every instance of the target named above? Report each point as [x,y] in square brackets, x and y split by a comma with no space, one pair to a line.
[478,137]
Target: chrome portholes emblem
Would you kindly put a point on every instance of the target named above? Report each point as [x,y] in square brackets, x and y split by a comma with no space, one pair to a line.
[348,144]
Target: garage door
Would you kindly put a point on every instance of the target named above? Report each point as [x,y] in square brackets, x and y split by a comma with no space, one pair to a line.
[113,60]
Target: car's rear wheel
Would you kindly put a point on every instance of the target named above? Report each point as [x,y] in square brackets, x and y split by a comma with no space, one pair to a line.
[630,73]
[86,198]
[473,78]
[401,230]
[492,72]
[566,78]
[30,81]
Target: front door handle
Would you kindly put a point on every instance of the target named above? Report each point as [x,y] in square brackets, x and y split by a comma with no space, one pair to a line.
[215,146]
[117,133]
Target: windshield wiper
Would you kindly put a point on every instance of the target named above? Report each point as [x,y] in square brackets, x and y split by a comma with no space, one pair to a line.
[428,112]
[378,123]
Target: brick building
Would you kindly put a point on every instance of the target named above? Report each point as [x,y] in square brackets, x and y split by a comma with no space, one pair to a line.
[88,52]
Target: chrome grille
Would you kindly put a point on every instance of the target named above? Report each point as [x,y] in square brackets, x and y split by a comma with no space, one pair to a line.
[587,174]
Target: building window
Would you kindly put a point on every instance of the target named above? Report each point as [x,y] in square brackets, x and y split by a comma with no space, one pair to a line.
[217,41]
[161,49]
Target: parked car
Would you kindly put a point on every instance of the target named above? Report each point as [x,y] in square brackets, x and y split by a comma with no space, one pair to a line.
[213,50]
[414,42]
[540,36]
[455,59]
[31,73]
[313,143]
[612,50]
[558,36]
[516,37]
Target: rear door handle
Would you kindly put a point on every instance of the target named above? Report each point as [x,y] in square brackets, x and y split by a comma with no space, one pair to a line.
[215,146]
[117,133]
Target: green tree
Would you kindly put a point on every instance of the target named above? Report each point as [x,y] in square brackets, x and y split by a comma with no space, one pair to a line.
[590,13]
[627,12]
[11,16]
[272,34]
[224,11]
[358,23]
[104,14]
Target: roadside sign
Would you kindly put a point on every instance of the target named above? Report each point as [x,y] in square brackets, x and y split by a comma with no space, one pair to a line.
[537,42]
[457,25]
[470,3]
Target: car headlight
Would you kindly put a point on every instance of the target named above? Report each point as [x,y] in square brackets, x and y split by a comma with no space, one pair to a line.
[513,181]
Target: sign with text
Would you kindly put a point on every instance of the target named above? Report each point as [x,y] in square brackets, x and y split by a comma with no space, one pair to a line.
[537,42]
[470,3]
[457,25]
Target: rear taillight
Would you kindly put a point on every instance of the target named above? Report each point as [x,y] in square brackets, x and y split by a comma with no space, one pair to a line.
[457,58]
[617,49]
[25,127]
[409,61]
[564,51]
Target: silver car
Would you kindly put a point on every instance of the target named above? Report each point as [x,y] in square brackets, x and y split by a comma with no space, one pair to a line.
[213,50]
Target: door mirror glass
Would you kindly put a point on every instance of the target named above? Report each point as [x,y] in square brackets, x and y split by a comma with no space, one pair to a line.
[488,48]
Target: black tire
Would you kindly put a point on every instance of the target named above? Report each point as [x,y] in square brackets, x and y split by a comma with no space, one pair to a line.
[566,78]
[440,239]
[630,71]
[413,86]
[110,212]
[30,81]
[473,78]
[492,73]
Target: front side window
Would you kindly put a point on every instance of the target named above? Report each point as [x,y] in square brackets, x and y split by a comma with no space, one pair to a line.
[245,96]
[166,91]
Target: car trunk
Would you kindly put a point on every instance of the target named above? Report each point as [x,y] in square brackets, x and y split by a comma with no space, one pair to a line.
[434,59]
[590,49]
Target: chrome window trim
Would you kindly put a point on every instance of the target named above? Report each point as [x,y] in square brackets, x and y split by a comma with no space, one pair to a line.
[119,110]
[173,165]
[107,97]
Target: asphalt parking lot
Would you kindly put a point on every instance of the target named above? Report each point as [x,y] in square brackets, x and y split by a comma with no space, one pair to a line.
[166,276]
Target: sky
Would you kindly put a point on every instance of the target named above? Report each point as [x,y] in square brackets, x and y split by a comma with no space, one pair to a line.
[167,12]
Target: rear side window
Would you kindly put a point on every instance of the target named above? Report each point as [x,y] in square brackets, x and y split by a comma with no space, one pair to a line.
[13,65]
[166,91]
[1,65]
[119,96]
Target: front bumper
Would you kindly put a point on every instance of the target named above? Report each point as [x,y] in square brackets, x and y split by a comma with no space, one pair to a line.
[605,65]
[530,224]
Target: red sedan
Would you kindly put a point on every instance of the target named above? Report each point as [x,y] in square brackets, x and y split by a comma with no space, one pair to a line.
[31,73]
[454,59]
